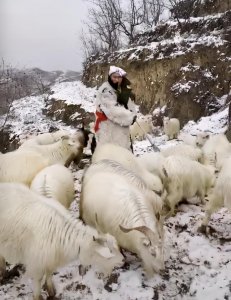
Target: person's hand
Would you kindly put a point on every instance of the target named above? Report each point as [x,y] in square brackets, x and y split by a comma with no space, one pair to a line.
[134,119]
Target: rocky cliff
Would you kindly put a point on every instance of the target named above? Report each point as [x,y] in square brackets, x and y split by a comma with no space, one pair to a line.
[183,64]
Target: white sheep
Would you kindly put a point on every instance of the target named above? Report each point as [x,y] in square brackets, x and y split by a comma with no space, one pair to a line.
[153,162]
[201,138]
[45,138]
[55,182]
[187,138]
[64,151]
[215,150]
[171,127]
[112,166]
[185,150]
[21,166]
[42,235]
[142,127]
[185,179]
[220,195]
[112,204]
[129,161]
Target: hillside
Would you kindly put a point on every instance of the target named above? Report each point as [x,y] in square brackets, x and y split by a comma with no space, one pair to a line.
[184,64]
[197,267]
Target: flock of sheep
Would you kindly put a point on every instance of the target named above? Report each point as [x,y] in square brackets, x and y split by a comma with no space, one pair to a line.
[124,200]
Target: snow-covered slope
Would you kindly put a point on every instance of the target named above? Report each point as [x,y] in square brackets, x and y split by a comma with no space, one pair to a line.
[75,93]
[197,267]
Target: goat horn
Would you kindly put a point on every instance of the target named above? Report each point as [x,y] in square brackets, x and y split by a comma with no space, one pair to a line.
[139,228]
[143,229]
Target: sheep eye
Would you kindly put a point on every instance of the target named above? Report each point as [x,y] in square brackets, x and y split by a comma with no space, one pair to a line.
[146,243]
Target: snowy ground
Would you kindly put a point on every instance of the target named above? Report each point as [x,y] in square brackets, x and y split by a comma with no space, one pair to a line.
[197,267]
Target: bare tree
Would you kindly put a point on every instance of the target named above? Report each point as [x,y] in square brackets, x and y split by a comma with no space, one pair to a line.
[16,84]
[111,22]
[152,10]
[102,25]
[184,9]
[90,45]
[129,18]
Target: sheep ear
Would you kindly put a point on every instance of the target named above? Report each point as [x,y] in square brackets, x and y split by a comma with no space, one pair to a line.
[104,252]
[64,137]
[165,172]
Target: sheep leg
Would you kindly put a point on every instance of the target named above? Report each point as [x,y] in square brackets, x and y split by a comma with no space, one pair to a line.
[49,285]
[37,288]
[171,205]
[201,195]
[2,267]
[215,202]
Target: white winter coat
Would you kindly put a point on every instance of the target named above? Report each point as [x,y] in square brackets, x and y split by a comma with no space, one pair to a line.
[115,129]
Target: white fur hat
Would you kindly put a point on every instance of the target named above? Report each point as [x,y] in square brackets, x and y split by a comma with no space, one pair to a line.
[119,71]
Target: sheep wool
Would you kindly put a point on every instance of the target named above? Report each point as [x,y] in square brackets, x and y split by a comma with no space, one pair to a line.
[184,150]
[128,161]
[122,211]
[44,138]
[215,150]
[41,234]
[171,127]
[145,122]
[21,166]
[153,162]
[220,195]
[186,178]
[61,152]
[151,197]
[55,182]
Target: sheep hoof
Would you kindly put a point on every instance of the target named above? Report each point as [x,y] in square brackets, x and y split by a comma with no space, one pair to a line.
[82,270]
[203,229]
[50,288]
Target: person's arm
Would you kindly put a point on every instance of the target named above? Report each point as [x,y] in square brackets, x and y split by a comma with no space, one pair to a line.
[116,113]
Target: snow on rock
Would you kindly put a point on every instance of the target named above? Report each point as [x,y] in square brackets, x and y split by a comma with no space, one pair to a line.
[215,123]
[75,93]
[26,116]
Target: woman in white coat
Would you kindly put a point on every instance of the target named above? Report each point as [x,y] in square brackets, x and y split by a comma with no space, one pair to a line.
[115,110]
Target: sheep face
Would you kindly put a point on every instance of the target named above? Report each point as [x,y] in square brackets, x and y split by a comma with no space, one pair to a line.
[151,252]
[72,143]
[201,138]
[149,246]
[106,254]
[166,121]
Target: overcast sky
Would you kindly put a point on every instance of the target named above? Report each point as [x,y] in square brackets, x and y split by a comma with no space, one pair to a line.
[42,33]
